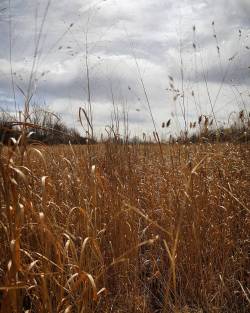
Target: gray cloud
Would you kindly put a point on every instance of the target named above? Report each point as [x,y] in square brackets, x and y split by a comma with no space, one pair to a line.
[149,30]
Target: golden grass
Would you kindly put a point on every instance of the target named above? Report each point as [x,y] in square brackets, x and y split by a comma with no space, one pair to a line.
[118,228]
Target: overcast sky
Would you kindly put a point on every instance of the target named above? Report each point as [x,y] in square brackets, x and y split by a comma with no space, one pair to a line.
[158,35]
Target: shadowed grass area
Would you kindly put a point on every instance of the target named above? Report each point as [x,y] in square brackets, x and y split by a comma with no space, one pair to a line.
[119,228]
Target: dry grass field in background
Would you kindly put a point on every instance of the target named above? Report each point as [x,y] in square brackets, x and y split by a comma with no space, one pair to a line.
[122,228]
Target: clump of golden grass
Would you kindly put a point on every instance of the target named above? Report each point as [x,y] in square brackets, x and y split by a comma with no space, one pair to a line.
[119,228]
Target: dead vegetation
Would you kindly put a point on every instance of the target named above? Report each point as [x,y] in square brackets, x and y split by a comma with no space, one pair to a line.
[119,228]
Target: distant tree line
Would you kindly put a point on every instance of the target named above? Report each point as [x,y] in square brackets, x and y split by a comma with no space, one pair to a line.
[204,130]
[46,127]
[41,126]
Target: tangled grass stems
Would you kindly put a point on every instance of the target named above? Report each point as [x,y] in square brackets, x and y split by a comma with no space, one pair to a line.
[87,229]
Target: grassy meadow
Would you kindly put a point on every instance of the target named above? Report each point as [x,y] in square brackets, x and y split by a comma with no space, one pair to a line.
[125,228]
[117,224]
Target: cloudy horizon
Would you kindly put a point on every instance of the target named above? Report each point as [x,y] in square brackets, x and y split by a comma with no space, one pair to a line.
[202,45]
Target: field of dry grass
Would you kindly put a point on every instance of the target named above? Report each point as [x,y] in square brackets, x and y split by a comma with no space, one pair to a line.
[123,228]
